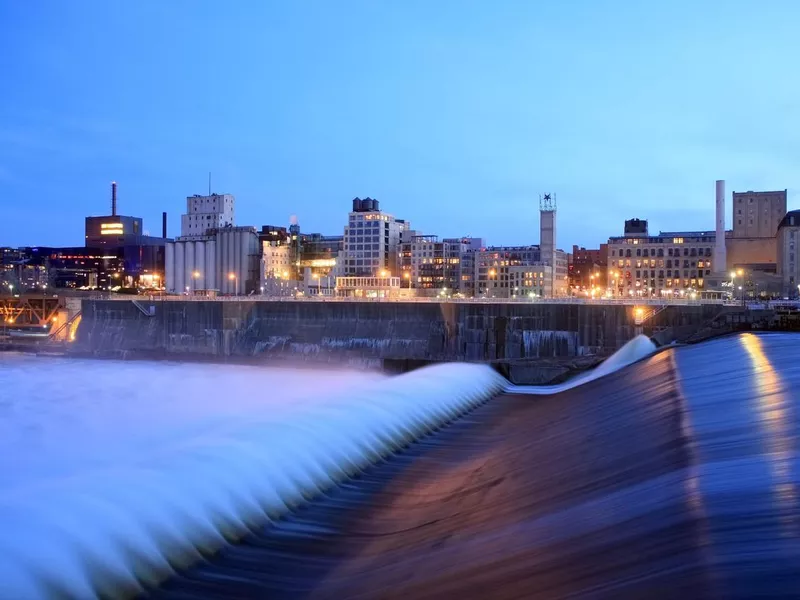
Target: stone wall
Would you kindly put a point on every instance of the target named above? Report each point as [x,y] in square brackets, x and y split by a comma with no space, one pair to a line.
[364,333]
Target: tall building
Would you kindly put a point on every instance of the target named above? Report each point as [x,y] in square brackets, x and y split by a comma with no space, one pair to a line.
[757,214]
[371,240]
[788,263]
[207,212]
[752,243]
[547,235]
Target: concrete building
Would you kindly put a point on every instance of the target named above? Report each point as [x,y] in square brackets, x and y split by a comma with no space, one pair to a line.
[207,212]
[670,263]
[788,263]
[371,240]
[224,261]
[752,242]
[547,235]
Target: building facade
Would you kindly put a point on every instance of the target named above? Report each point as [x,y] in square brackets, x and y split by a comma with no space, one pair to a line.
[589,268]
[788,263]
[207,212]
[669,263]
[371,240]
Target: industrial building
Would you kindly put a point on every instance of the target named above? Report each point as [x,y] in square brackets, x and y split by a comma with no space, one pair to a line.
[204,213]
[224,261]
[371,240]
[122,237]
[656,265]
[212,256]
[752,244]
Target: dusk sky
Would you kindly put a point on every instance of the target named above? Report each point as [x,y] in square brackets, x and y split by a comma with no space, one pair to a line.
[456,115]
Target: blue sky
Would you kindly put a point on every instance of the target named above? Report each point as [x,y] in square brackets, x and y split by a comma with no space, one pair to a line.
[455,114]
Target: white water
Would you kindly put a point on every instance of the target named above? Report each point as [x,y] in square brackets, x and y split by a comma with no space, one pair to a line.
[113,474]
[638,348]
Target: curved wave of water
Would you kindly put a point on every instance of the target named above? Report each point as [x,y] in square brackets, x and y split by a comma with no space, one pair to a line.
[145,467]
[636,349]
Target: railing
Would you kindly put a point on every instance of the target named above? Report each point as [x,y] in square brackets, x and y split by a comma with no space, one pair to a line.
[657,302]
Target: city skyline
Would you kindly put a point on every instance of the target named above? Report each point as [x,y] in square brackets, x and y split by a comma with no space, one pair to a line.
[456,117]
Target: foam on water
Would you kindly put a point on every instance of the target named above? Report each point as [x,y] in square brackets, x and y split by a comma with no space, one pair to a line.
[638,348]
[114,474]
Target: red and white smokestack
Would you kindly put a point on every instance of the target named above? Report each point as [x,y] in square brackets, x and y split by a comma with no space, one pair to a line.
[113,198]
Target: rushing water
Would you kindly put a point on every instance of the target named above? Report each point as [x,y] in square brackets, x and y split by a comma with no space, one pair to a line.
[113,473]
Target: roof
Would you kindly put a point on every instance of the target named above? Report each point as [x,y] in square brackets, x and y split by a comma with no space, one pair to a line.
[790,219]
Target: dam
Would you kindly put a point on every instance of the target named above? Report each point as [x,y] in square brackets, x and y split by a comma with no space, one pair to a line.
[545,337]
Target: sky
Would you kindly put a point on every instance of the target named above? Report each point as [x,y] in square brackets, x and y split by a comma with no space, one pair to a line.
[457,115]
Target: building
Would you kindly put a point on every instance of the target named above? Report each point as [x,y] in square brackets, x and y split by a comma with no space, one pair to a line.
[207,212]
[23,269]
[547,236]
[431,266]
[752,243]
[788,263]
[656,265]
[371,240]
[225,261]
[589,268]
[123,236]
[369,287]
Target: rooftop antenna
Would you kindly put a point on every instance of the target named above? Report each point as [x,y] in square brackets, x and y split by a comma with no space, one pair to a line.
[113,198]
[209,183]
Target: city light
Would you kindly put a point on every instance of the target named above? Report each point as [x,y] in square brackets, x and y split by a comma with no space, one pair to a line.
[231,276]
[196,274]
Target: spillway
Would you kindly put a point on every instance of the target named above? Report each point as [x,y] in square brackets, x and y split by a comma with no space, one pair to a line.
[660,473]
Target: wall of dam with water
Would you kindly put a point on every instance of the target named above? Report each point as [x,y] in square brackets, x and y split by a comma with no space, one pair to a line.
[370,334]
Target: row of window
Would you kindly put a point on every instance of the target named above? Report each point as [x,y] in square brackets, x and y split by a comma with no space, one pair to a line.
[661,263]
[660,252]
[686,273]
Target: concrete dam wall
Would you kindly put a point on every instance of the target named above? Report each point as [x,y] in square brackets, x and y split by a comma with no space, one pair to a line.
[365,333]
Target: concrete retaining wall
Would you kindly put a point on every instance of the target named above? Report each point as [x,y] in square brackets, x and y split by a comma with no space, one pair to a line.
[365,333]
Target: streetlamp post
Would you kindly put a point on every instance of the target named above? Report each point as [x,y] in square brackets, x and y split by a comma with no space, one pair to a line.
[195,275]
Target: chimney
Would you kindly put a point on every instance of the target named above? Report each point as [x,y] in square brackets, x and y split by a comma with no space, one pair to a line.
[164,225]
[113,198]
[720,259]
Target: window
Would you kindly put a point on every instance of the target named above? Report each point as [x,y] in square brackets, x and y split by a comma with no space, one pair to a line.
[638,252]
[739,211]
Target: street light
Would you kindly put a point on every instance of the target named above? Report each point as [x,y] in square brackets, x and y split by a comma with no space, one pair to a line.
[316,276]
[232,279]
[407,277]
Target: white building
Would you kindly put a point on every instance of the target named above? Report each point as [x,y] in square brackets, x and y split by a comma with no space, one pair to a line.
[371,240]
[207,212]
[224,261]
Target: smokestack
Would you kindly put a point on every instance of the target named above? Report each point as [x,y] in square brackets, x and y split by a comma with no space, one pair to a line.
[720,258]
[164,225]
[113,198]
